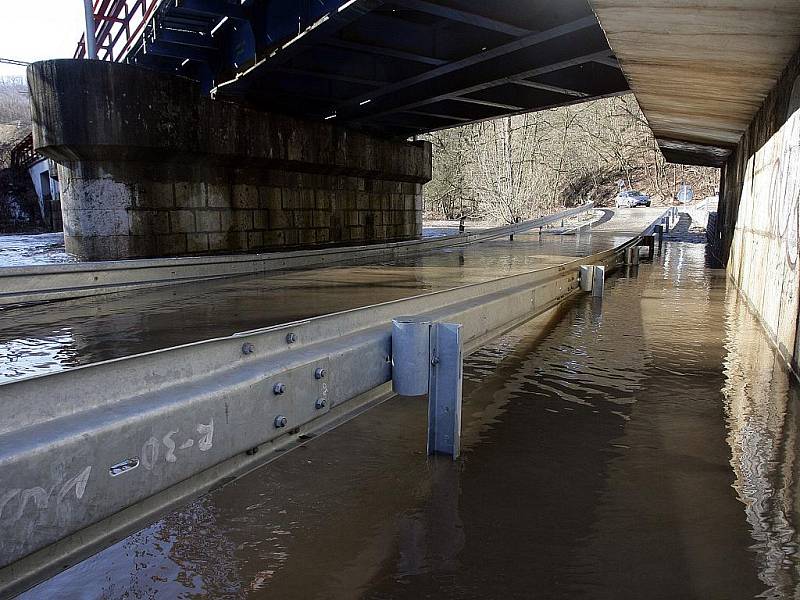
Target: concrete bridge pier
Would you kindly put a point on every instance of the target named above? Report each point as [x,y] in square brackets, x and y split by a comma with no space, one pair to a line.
[148,167]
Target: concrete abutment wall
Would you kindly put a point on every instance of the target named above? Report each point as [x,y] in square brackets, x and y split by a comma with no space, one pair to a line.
[758,220]
[149,167]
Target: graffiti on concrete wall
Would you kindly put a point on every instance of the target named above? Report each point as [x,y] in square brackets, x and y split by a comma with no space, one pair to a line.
[766,243]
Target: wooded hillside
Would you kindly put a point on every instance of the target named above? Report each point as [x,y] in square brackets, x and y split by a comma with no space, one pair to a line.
[520,167]
[15,115]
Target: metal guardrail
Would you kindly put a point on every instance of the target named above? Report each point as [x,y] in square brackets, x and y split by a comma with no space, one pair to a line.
[89,453]
[22,285]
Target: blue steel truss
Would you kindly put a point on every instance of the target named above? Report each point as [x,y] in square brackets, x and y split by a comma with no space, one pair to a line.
[398,67]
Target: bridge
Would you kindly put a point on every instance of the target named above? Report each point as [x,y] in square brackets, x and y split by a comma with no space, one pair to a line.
[215,127]
[329,91]
[395,68]
[275,99]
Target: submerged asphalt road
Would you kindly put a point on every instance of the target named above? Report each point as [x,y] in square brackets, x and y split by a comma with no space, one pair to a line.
[56,336]
[643,446]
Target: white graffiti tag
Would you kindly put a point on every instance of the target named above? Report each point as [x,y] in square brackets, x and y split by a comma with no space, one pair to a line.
[42,499]
[151,450]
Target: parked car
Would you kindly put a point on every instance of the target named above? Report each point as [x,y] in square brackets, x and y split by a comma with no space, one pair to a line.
[631,199]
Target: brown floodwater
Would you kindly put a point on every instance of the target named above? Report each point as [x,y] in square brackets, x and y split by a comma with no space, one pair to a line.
[52,337]
[641,447]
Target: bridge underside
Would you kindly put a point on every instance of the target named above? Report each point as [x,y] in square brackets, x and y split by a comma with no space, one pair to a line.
[701,70]
[222,166]
[396,68]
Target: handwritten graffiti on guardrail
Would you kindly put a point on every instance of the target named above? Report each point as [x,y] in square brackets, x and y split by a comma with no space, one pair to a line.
[151,450]
[17,499]
[13,502]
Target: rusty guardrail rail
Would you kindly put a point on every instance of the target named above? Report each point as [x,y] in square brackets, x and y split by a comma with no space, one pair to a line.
[41,283]
[90,453]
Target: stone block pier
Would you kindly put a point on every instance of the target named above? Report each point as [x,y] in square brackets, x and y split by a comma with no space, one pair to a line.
[151,167]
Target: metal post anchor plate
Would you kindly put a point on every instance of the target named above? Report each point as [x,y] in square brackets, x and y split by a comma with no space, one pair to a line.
[598,281]
[444,396]
[649,241]
[632,256]
[410,355]
[587,273]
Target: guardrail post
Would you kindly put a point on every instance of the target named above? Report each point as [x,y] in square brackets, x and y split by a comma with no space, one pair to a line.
[632,256]
[659,229]
[444,397]
[427,358]
[598,281]
[649,241]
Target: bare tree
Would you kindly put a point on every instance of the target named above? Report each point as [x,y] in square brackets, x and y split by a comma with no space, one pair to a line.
[517,167]
[506,177]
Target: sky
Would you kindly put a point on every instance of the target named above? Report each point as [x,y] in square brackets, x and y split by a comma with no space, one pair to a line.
[37,29]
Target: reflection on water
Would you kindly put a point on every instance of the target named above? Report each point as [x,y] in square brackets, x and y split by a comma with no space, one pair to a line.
[22,357]
[42,249]
[597,444]
[761,406]
[439,231]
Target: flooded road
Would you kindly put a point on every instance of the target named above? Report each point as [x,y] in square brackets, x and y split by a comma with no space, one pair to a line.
[57,336]
[644,447]
[40,249]
[48,248]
